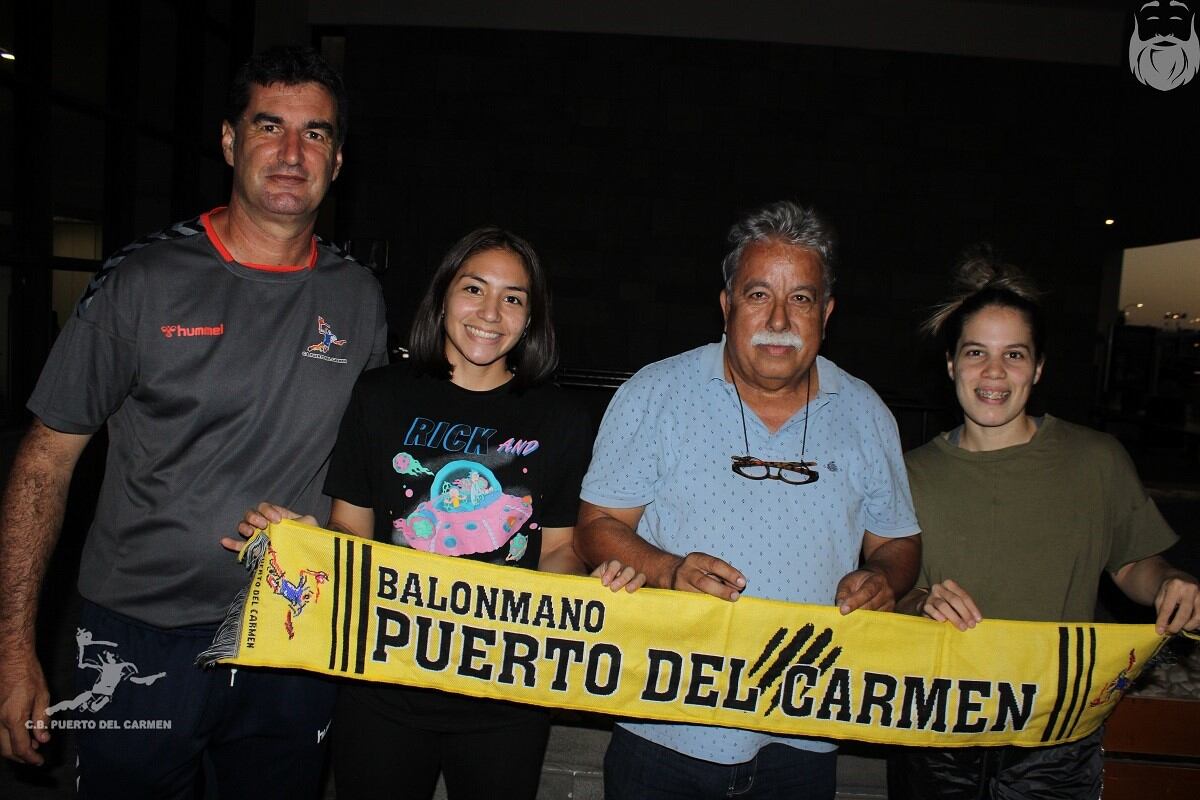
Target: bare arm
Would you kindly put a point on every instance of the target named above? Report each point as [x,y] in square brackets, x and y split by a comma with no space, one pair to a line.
[558,552]
[30,519]
[608,534]
[558,555]
[352,519]
[1174,593]
[889,569]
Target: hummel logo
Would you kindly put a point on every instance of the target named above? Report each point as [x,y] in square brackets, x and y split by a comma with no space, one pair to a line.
[198,330]
[321,733]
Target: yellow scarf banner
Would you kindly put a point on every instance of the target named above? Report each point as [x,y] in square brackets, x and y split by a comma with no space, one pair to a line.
[341,605]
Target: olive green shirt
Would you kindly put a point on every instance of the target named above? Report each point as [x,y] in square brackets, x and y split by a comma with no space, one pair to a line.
[1027,530]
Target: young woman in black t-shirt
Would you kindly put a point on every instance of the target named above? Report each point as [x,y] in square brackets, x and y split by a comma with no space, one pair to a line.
[464,449]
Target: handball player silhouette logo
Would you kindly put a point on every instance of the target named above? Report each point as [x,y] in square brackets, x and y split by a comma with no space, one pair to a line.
[1164,52]
[111,672]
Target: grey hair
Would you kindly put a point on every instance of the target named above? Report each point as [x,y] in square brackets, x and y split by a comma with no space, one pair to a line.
[787,222]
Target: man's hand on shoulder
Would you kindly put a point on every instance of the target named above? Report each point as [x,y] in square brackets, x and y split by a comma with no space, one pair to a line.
[24,698]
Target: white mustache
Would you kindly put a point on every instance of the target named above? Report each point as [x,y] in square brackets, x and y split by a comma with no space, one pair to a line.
[780,339]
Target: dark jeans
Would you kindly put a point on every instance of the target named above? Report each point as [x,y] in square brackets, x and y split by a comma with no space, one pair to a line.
[382,755]
[147,719]
[638,769]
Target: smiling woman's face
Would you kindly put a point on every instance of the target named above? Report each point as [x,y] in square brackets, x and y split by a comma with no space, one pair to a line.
[487,309]
[994,368]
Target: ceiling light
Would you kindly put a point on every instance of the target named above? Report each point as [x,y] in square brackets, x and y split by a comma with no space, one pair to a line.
[1110,221]
[7,56]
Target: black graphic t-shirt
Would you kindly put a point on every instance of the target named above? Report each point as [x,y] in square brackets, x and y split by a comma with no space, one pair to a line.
[468,474]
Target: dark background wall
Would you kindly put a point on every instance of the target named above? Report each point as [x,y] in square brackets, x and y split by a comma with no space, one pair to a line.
[625,158]
[624,150]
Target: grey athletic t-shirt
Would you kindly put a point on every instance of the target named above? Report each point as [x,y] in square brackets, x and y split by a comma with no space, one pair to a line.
[222,385]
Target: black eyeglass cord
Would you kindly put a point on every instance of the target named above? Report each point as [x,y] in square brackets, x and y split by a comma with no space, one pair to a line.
[807,400]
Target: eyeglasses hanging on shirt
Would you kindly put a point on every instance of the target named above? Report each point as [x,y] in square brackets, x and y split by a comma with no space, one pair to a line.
[796,473]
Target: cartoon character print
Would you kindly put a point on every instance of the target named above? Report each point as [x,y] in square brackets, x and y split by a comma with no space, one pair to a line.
[467,512]
[298,594]
[517,547]
[1117,685]
[405,464]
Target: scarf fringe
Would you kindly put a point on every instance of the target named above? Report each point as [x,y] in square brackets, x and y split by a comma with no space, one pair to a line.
[225,643]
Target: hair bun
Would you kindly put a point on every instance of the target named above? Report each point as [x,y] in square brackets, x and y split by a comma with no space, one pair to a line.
[980,269]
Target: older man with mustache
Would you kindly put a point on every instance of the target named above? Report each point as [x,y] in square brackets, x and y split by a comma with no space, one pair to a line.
[751,465]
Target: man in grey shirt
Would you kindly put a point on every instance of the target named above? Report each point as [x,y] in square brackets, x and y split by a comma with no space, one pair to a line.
[220,354]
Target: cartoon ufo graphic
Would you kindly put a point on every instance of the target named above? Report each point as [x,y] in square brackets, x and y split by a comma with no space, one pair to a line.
[467,512]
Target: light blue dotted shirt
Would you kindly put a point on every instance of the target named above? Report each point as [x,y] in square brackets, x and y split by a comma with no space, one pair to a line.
[665,443]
